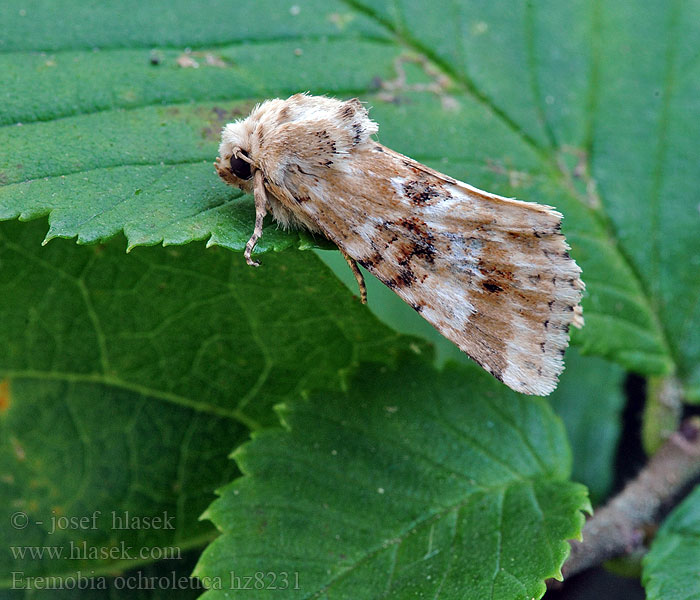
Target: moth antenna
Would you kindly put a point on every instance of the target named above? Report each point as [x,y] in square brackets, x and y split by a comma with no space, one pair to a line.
[358,275]
[260,212]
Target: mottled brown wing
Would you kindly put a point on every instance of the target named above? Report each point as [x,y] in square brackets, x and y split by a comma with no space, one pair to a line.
[490,273]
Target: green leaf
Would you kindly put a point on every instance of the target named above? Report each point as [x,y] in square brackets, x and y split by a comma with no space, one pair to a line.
[672,567]
[533,102]
[196,328]
[148,171]
[75,457]
[590,399]
[125,380]
[412,483]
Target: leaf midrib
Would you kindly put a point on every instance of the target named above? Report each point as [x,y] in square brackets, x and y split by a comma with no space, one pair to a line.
[117,382]
[242,41]
[424,522]
[159,104]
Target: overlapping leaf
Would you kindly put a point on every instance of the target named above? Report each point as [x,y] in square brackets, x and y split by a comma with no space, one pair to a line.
[672,567]
[529,108]
[590,400]
[411,484]
[125,381]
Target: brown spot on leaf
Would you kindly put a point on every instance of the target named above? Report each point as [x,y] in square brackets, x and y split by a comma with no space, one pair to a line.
[18,449]
[186,62]
[4,395]
[221,117]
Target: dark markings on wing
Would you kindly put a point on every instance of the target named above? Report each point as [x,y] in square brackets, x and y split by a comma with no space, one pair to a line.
[491,274]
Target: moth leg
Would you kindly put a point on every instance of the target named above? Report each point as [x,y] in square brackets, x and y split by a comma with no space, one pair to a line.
[358,275]
[260,212]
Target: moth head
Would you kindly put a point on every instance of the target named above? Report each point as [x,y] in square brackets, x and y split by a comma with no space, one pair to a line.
[235,165]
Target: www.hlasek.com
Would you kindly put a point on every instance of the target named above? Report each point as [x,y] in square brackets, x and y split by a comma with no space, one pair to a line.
[84,551]
[260,580]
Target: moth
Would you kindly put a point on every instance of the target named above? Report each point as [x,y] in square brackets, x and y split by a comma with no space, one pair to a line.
[492,274]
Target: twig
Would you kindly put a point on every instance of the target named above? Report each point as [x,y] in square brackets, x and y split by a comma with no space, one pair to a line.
[621,525]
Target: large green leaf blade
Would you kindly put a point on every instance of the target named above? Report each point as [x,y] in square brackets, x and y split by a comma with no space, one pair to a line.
[590,399]
[146,171]
[195,327]
[125,380]
[174,24]
[645,145]
[127,78]
[413,482]
[672,566]
[83,464]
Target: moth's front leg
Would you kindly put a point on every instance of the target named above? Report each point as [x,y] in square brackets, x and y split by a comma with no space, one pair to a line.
[260,212]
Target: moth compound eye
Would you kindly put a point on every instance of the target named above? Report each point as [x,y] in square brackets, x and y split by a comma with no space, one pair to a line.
[240,168]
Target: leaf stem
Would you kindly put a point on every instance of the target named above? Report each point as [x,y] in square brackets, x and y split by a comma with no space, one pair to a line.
[663,411]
